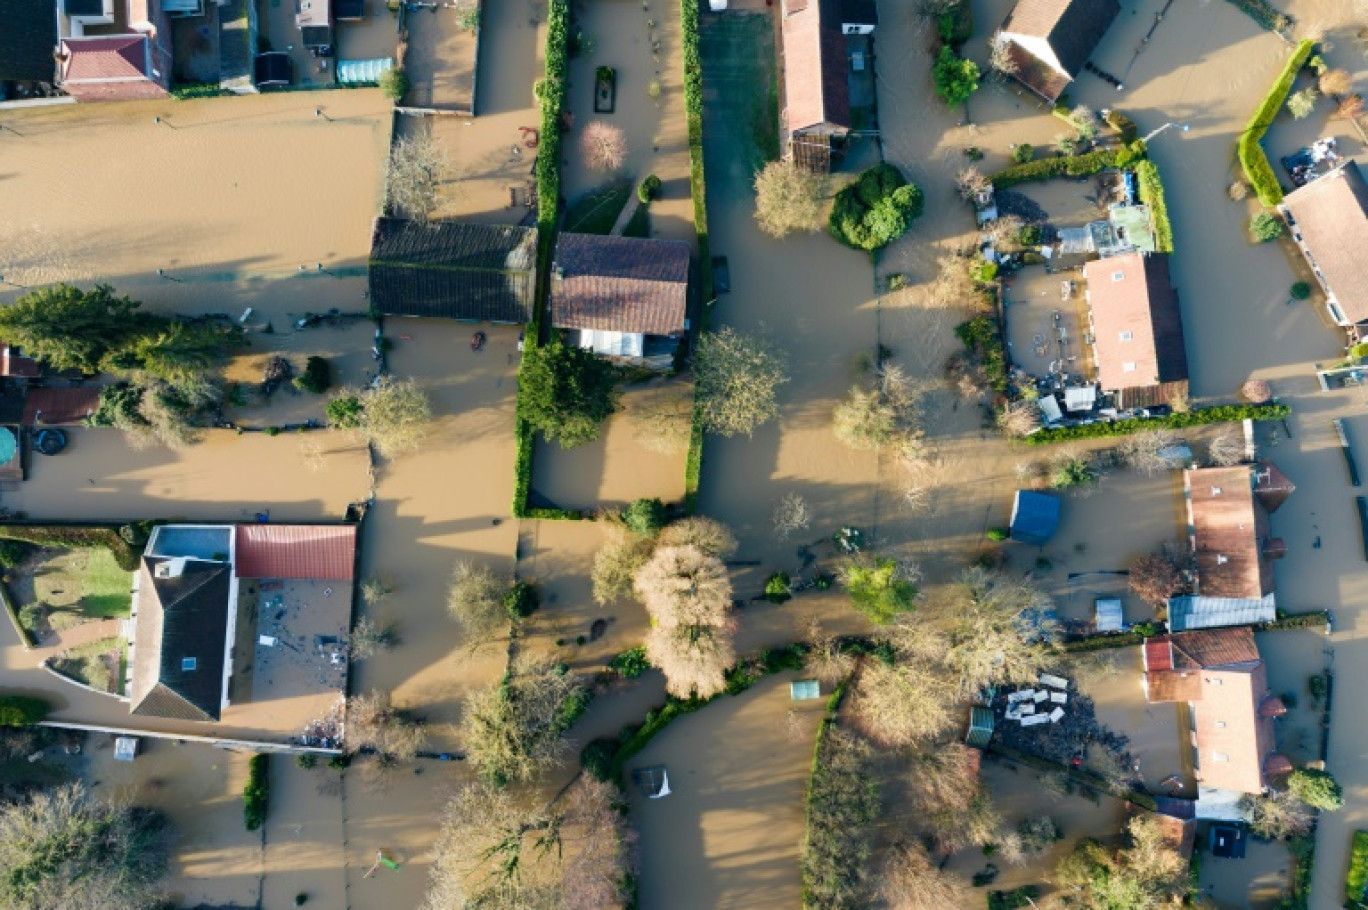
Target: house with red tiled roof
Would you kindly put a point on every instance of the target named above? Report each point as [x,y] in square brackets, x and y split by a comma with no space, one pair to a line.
[1222,678]
[816,79]
[1233,546]
[116,50]
[1136,329]
[195,606]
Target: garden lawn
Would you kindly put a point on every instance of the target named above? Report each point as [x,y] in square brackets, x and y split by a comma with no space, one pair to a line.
[596,211]
[99,664]
[80,585]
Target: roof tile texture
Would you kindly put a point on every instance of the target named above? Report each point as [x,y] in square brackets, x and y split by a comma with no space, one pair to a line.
[816,69]
[1332,216]
[1073,28]
[1230,527]
[620,284]
[295,551]
[1136,321]
[111,57]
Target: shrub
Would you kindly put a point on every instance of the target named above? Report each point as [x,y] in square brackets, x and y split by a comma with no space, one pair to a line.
[339,762]
[1175,421]
[394,83]
[983,336]
[21,711]
[1030,235]
[1023,153]
[566,392]
[1072,166]
[1252,157]
[876,209]
[316,378]
[645,516]
[649,188]
[880,588]
[1124,126]
[1265,227]
[631,663]
[983,271]
[187,90]
[12,553]
[597,757]
[997,534]
[955,77]
[1356,881]
[1301,290]
[1318,789]
[1152,194]
[777,588]
[257,793]
[344,412]
[522,600]
[306,760]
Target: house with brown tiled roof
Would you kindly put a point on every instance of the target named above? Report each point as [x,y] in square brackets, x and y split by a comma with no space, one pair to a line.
[1233,547]
[816,81]
[194,606]
[1136,328]
[1329,222]
[1222,678]
[117,50]
[622,297]
[1049,41]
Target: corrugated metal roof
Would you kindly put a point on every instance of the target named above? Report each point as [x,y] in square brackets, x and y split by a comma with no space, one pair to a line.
[295,551]
[980,727]
[1195,612]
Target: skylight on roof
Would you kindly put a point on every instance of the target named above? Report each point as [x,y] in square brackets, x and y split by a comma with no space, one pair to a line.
[188,663]
[1118,276]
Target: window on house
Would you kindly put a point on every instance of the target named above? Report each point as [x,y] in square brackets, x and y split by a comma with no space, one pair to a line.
[188,663]
[1220,725]
[1128,367]
[1126,336]
[1220,756]
[1118,276]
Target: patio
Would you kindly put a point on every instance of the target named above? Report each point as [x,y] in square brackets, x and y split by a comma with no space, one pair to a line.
[1046,316]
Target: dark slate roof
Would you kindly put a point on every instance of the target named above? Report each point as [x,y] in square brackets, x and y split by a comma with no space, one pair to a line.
[28,36]
[235,48]
[185,616]
[454,270]
[620,284]
[1035,516]
[1073,28]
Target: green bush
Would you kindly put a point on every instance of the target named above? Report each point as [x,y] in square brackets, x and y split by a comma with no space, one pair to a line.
[877,590]
[566,392]
[316,378]
[983,337]
[1072,166]
[1301,290]
[344,412]
[257,793]
[339,762]
[1318,789]
[21,711]
[955,77]
[13,552]
[1124,126]
[306,760]
[997,534]
[1357,879]
[876,209]
[1152,195]
[187,90]
[1253,159]
[631,663]
[648,189]
[394,83]
[597,757]
[1030,235]
[1193,418]
[1265,227]
[1023,153]
[983,271]
[521,600]
[778,588]
[645,516]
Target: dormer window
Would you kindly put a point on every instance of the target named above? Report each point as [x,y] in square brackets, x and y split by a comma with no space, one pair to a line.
[188,664]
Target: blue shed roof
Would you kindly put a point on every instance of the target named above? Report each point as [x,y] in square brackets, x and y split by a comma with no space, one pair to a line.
[1035,516]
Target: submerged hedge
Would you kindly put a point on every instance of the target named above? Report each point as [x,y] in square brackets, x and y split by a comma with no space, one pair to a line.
[693,107]
[1357,879]
[1253,160]
[1152,195]
[1068,166]
[257,792]
[1194,418]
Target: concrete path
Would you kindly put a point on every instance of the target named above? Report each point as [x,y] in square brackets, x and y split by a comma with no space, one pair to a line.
[82,634]
[625,216]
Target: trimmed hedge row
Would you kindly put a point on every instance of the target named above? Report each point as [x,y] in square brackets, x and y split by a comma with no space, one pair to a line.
[1302,849]
[551,92]
[1357,878]
[21,711]
[257,792]
[693,106]
[72,537]
[1194,418]
[1152,195]
[1131,639]
[1253,160]
[1068,166]
[1263,13]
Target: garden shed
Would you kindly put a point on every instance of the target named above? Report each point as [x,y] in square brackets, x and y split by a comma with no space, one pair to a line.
[1035,517]
[1108,614]
[980,727]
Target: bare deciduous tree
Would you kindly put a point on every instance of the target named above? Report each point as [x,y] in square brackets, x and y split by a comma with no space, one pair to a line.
[662,419]
[737,380]
[825,659]
[1157,576]
[707,534]
[1000,55]
[1349,108]
[1301,104]
[903,704]
[376,589]
[1277,815]
[694,658]
[790,516]
[418,166]
[368,638]
[1336,82]
[997,629]
[953,286]
[392,415]
[683,586]
[909,880]
[373,722]
[1226,450]
[603,146]
[1256,391]
[970,182]
[513,729]
[788,198]
[1143,451]
[883,417]
[1020,418]
[475,601]
[616,564]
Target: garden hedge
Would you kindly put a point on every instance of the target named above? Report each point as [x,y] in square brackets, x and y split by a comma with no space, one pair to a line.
[1152,195]
[1357,879]
[73,537]
[1253,160]
[1194,418]
[20,711]
[693,107]
[257,792]
[551,92]
[1068,166]
[1262,12]
[1302,850]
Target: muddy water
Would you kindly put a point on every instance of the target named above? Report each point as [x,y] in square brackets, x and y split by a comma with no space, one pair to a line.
[1257,882]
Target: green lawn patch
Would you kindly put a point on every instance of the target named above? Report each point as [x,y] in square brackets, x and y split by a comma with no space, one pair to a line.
[597,211]
[70,587]
[96,663]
